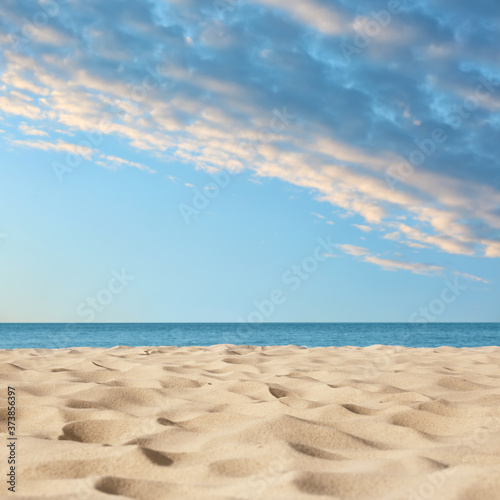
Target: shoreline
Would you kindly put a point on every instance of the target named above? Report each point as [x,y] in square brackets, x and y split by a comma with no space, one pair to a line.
[227,345]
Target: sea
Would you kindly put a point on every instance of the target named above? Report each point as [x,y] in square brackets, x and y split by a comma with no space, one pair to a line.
[61,335]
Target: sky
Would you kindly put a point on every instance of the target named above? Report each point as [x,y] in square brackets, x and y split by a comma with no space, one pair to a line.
[248,161]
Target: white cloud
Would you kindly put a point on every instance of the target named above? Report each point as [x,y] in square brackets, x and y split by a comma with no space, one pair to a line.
[365,229]
[64,132]
[20,95]
[396,236]
[396,265]
[17,106]
[412,244]
[458,245]
[400,265]
[50,35]
[114,162]
[354,250]
[201,114]
[330,255]
[390,264]
[59,146]
[492,248]
[27,130]
[471,277]
[312,13]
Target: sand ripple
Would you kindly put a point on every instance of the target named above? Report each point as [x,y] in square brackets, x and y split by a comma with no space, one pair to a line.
[244,422]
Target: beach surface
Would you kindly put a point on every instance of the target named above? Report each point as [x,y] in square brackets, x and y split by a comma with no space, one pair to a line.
[245,422]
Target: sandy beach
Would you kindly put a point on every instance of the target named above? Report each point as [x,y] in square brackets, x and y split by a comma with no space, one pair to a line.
[243,422]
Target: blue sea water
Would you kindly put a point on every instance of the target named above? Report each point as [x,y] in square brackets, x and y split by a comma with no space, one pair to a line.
[56,335]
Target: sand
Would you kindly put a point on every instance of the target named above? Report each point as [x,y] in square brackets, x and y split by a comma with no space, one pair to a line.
[243,422]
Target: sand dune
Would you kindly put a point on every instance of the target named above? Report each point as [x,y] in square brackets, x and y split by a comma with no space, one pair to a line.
[242,422]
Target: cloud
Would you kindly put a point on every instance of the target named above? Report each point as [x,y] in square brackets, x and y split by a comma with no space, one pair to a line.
[354,250]
[267,88]
[412,244]
[50,36]
[330,255]
[390,264]
[27,130]
[471,277]
[319,216]
[396,265]
[60,146]
[321,17]
[400,265]
[114,162]
[14,105]
[395,236]
[365,229]
[458,245]
[492,249]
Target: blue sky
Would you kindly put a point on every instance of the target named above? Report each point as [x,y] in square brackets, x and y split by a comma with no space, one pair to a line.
[260,160]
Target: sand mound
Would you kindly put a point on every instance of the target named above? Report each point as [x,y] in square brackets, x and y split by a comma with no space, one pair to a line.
[243,422]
